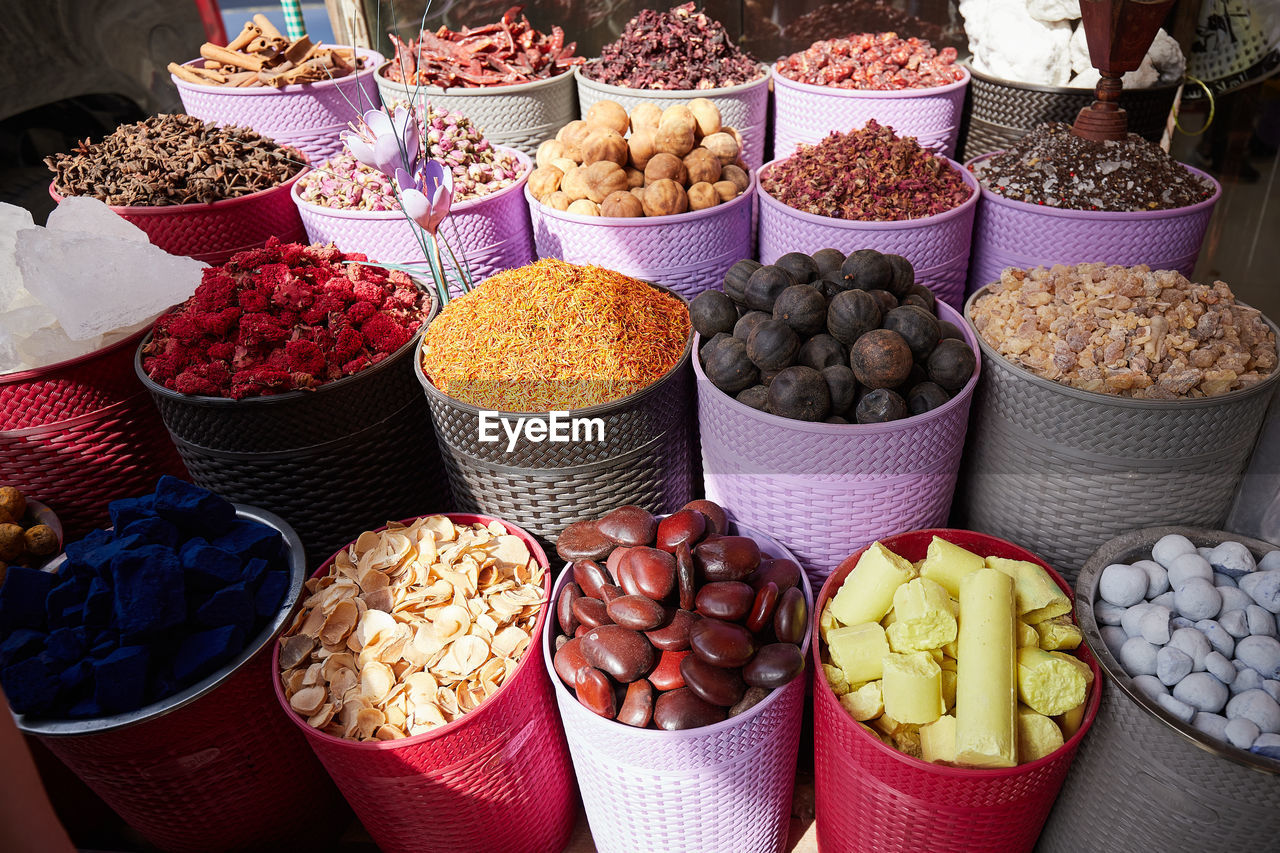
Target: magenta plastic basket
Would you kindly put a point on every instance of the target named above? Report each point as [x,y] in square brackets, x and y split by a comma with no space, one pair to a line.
[1018,234]
[687,252]
[937,246]
[308,116]
[496,780]
[803,112]
[832,488]
[493,231]
[723,787]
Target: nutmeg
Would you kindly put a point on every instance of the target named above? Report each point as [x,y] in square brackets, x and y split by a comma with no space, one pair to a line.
[12,543]
[675,139]
[702,195]
[666,166]
[645,116]
[635,178]
[664,198]
[574,133]
[13,504]
[622,203]
[736,134]
[678,116]
[564,164]
[736,174]
[707,116]
[702,165]
[727,190]
[40,540]
[602,178]
[548,151]
[543,181]
[604,144]
[722,145]
[558,201]
[585,207]
[638,192]
[574,183]
[610,114]
[642,146]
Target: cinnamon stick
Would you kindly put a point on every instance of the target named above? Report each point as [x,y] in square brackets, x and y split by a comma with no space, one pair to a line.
[226,57]
[248,34]
[268,29]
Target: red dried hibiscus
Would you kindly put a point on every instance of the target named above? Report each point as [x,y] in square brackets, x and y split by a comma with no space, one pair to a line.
[282,318]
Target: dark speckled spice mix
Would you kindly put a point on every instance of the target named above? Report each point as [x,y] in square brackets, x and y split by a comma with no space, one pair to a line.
[868,175]
[676,50]
[1052,167]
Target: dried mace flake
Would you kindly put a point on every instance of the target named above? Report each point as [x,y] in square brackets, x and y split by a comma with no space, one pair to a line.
[877,61]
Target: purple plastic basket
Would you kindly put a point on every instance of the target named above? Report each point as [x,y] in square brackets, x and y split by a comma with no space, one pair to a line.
[308,116]
[688,252]
[1018,234]
[832,488]
[937,246]
[493,231]
[721,787]
[803,112]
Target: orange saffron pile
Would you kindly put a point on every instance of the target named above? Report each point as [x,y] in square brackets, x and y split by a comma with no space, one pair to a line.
[554,336]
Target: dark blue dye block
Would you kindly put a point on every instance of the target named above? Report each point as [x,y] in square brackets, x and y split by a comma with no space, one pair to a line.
[249,538]
[149,592]
[68,645]
[20,645]
[31,686]
[208,568]
[120,679]
[154,531]
[22,597]
[271,594]
[195,511]
[126,511]
[231,605]
[201,654]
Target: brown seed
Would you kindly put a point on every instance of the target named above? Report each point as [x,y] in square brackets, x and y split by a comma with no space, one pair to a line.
[637,707]
[583,540]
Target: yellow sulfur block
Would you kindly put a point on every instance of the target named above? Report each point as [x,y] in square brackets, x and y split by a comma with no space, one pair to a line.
[952,649]
[913,688]
[922,617]
[1078,664]
[1059,633]
[907,740]
[867,593]
[888,726]
[859,650]
[1038,596]
[1038,735]
[949,689]
[865,702]
[946,564]
[937,655]
[1047,684]
[986,690]
[1027,636]
[889,618]
[1070,721]
[938,739]
[827,622]
[835,677]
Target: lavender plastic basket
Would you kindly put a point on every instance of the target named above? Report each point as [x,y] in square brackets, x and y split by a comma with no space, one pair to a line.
[308,116]
[493,231]
[744,107]
[803,112]
[721,787]
[1018,234]
[937,246]
[688,252]
[833,487]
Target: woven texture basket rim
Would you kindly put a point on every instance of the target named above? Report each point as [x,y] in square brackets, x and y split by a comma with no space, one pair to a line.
[382,215]
[562,692]
[645,221]
[468,91]
[1097,398]
[1137,545]
[480,710]
[63,727]
[674,94]
[221,205]
[891,225]
[819,428]
[780,79]
[989,197]
[1053,90]
[292,88]
[42,372]
[1093,701]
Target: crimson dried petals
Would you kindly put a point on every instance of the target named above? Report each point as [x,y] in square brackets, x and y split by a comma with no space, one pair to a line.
[877,61]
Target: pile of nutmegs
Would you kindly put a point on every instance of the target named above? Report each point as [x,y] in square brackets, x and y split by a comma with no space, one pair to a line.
[674,160]
[23,540]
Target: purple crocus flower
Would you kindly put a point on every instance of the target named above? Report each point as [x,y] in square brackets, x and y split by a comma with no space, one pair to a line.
[391,135]
[426,199]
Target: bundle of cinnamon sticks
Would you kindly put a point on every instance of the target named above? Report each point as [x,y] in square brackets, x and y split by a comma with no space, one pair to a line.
[262,56]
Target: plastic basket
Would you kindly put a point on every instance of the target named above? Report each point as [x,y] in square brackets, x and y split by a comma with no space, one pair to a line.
[832,488]
[308,116]
[744,107]
[803,112]
[81,433]
[214,232]
[1064,470]
[215,767]
[721,787]
[687,252]
[870,796]
[497,779]
[520,116]
[937,246]
[1145,779]
[492,231]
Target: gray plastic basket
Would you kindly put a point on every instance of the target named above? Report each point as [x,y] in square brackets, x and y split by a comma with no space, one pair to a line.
[1060,470]
[1144,780]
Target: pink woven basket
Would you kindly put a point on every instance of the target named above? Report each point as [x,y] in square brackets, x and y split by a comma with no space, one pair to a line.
[870,796]
[937,246]
[214,232]
[82,432]
[493,231]
[688,252]
[832,487]
[497,780]
[803,112]
[718,788]
[1018,234]
[308,116]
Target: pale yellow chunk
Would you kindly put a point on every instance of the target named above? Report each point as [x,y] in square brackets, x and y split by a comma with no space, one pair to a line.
[952,649]
[827,622]
[884,739]
[859,650]
[865,702]
[913,688]
[1078,664]
[907,740]
[986,690]
[946,564]
[1038,596]
[889,726]
[1059,633]
[1027,636]
[922,617]
[1071,721]
[938,740]
[867,593]
[835,677]
[1038,735]
[1047,684]
[949,689]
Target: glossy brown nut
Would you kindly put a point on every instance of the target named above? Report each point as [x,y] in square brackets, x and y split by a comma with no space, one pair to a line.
[591,612]
[683,709]
[621,652]
[582,631]
[782,573]
[762,608]
[649,572]
[564,608]
[717,519]
[590,577]
[637,707]
[629,525]
[727,558]
[666,675]
[720,643]
[774,665]
[674,636]
[616,556]
[583,540]
[791,619]
[609,592]
[714,684]
[595,692]
[687,525]
[749,700]
[569,662]
[638,612]
[686,576]
[727,600]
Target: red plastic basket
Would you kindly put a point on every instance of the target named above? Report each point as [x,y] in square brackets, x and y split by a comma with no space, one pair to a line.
[872,797]
[495,780]
[78,434]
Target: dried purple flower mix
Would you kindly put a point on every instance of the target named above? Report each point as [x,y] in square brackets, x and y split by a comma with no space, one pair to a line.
[677,50]
[867,175]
